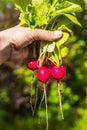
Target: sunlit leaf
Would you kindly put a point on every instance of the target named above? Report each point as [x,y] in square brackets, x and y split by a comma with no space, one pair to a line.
[64,51]
[73,19]
[63,39]
[68,7]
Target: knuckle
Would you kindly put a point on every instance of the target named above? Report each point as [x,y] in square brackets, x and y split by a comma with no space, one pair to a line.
[36,34]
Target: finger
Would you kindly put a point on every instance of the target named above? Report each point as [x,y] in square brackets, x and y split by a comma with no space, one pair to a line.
[46,35]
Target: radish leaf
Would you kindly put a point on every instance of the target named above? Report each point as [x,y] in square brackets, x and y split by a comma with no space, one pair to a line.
[63,39]
[64,51]
[72,18]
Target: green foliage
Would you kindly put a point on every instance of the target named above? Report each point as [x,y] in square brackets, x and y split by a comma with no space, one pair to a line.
[81,123]
[4,95]
[41,13]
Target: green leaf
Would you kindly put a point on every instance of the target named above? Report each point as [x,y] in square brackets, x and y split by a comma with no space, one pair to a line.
[73,18]
[36,2]
[68,7]
[23,20]
[40,16]
[63,39]
[56,22]
[64,51]
[64,27]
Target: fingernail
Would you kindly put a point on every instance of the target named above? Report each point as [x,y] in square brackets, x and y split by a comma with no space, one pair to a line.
[56,33]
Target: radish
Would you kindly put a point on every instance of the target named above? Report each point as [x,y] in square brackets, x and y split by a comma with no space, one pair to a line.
[32,64]
[58,73]
[43,75]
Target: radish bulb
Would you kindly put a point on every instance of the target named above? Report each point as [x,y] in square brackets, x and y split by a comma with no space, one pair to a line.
[43,75]
[58,73]
[32,65]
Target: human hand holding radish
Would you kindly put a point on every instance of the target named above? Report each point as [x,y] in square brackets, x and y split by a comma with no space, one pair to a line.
[15,41]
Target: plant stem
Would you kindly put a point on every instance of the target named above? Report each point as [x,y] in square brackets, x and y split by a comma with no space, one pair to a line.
[60,55]
[43,57]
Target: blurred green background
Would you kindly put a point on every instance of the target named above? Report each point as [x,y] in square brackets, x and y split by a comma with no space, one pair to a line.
[15,81]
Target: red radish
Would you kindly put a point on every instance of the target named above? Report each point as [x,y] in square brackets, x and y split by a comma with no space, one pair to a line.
[32,64]
[43,74]
[58,73]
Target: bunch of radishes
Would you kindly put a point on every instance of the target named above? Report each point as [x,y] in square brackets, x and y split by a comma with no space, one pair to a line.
[46,71]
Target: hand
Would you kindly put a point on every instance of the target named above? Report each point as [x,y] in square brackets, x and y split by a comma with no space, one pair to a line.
[14,42]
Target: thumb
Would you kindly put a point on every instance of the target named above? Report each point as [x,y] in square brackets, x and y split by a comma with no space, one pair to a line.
[46,35]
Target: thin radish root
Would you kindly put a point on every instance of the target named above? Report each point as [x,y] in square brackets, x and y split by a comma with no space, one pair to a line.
[35,101]
[31,93]
[36,90]
[60,101]
[46,106]
[44,96]
[42,99]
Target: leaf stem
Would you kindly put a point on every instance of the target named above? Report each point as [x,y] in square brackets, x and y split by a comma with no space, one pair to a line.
[60,55]
[41,61]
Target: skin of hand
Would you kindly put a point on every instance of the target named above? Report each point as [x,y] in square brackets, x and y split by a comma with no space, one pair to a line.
[15,41]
